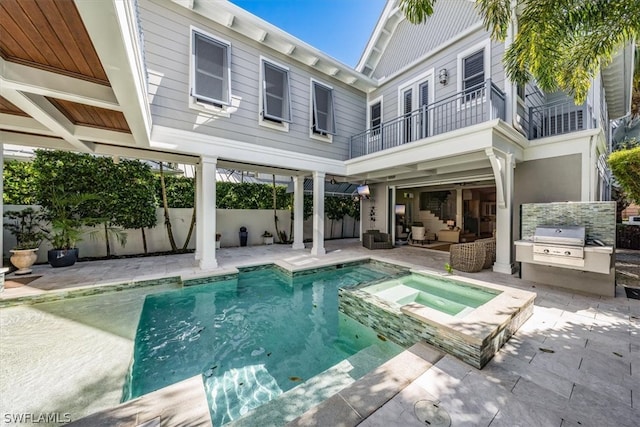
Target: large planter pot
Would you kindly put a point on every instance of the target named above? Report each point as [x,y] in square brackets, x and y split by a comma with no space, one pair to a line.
[62,257]
[268,240]
[23,259]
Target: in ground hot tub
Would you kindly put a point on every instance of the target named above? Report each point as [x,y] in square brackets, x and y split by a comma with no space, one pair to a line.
[467,318]
[448,296]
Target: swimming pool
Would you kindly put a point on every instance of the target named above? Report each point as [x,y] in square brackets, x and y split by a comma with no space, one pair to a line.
[451,297]
[253,338]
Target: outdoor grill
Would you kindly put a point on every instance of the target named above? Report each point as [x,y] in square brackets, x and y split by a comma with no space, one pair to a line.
[560,245]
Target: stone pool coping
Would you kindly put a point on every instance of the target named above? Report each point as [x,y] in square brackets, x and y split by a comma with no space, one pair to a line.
[485,319]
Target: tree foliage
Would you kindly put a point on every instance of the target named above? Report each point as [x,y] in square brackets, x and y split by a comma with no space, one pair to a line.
[250,196]
[560,43]
[19,183]
[625,165]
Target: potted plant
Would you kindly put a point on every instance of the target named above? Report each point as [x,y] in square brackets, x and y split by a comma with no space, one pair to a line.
[218,237]
[25,227]
[64,212]
[267,237]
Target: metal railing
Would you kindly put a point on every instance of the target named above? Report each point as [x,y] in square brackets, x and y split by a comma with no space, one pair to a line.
[557,119]
[479,104]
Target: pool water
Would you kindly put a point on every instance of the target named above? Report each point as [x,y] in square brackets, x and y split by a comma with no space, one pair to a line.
[251,339]
[448,296]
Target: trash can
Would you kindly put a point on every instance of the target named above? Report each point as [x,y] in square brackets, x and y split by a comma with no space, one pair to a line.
[243,236]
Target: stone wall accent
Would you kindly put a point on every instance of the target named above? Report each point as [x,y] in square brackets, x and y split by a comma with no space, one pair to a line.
[598,218]
[391,323]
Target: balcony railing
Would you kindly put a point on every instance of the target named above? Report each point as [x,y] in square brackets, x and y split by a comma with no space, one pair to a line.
[557,119]
[476,105]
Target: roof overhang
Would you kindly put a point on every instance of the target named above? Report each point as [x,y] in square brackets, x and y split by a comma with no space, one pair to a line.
[83,88]
[239,20]
[617,78]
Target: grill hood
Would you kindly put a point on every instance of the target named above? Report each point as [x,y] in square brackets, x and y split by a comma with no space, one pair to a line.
[560,235]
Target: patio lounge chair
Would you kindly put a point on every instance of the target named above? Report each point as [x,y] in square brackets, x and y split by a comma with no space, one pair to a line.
[374,239]
[469,257]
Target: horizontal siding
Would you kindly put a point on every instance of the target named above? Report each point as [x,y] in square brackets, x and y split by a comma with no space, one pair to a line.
[446,58]
[167,40]
[411,42]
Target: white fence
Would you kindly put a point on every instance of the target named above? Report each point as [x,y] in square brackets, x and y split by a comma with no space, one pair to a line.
[228,222]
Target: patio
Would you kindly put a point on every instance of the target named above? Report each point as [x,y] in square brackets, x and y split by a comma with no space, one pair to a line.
[574,362]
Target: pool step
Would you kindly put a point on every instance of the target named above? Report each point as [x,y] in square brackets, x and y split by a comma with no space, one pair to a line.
[296,401]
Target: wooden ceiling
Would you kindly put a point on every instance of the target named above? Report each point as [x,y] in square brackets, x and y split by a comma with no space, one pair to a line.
[49,34]
[88,115]
[7,107]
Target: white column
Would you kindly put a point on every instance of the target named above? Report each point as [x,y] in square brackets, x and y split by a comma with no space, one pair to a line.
[2,195]
[207,198]
[361,218]
[393,213]
[318,214]
[298,212]
[503,165]
[459,208]
[199,213]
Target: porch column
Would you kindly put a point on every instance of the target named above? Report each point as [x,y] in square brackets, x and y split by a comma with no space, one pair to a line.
[2,195]
[318,213]
[459,210]
[298,212]
[199,213]
[207,201]
[503,165]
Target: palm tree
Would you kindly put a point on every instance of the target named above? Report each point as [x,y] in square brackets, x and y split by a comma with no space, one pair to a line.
[560,43]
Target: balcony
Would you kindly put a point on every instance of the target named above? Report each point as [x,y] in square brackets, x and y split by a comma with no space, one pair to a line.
[476,105]
[557,119]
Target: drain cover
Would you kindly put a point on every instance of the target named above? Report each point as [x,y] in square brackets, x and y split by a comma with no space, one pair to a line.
[430,413]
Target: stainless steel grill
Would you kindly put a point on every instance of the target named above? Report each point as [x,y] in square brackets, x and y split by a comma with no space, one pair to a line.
[562,245]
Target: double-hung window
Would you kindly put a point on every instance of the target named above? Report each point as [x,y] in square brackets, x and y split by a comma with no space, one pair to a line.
[473,75]
[322,114]
[276,103]
[211,79]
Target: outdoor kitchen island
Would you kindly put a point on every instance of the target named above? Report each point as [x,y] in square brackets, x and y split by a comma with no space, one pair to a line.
[596,276]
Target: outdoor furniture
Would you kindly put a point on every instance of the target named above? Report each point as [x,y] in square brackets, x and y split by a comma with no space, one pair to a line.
[374,239]
[469,257]
[490,251]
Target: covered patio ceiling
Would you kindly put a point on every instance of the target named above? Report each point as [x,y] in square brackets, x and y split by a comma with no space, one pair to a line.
[71,78]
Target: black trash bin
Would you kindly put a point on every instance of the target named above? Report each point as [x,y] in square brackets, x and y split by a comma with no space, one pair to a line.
[243,236]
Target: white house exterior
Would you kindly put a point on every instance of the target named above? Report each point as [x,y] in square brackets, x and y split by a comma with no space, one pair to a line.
[428,110]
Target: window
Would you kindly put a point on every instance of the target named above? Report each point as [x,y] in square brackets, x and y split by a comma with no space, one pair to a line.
[211,80]
[322,110]
[276,105]
[520,91]
[473,75]
[375,114]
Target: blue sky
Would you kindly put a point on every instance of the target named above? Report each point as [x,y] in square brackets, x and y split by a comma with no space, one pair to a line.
[339,28]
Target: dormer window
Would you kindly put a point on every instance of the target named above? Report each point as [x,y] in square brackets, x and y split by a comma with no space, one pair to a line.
[211,71]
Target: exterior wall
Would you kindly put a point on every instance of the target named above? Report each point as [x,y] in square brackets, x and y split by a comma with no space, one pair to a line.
[554,179]
[167,36]
[411,42]
[447,58]
[228,223]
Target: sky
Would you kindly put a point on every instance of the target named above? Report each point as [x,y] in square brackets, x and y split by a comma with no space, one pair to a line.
[339,28]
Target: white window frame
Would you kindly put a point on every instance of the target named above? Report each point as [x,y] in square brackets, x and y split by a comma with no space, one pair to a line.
[284,125]
[414,85]
[217,107]
[486,45]
[313,135]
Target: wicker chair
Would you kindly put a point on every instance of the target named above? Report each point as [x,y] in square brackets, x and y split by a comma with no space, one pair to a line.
[469,257]
[374,239]
[490,251]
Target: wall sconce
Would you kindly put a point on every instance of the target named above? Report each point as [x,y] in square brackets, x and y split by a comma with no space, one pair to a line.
[443,76]
[450,224]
